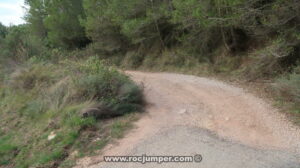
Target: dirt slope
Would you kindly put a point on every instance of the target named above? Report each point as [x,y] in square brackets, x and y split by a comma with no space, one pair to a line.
[188,115]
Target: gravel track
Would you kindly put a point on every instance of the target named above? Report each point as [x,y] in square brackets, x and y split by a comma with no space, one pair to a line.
[188,115]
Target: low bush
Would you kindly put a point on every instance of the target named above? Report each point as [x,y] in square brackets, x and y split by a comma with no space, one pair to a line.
[289,88]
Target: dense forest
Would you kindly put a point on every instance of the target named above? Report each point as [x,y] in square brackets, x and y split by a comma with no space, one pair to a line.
[253,40]
[141,31]
[225,34]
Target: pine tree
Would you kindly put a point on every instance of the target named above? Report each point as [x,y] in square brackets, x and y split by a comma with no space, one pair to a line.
[35,16]
[63,23]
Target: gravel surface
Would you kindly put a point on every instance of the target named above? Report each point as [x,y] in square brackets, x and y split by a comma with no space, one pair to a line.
[216,152]
[188,115]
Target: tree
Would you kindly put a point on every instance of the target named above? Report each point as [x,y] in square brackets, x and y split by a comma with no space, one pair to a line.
[101,28]
[35,16]
[117,23]
[63,23]
[3,31]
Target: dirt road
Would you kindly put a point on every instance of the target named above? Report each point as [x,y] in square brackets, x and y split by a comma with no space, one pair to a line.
[188,115]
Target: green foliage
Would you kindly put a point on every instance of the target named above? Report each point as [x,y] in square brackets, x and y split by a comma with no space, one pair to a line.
[289,87]
[201,27]
[63,23]
[287,91]
[35,16]
[34,76]
[57,22]
[6,150]
[33,109]
[118,129]
[100,27]
[48,157]
[3,31]
[19,45]
[115,25]
[269,61]
[108,86]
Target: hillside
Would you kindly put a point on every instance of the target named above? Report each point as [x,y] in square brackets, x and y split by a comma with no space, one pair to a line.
[52,114]
[68,55]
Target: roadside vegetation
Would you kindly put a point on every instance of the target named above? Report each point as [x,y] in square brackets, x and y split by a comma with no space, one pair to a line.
[44,117]
[57,64]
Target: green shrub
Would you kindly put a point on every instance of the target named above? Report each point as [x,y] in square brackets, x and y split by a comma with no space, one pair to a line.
[270,61]
[19,45]
[108,86]
[130,93]
[33,76]
[33,109]
[289,88]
